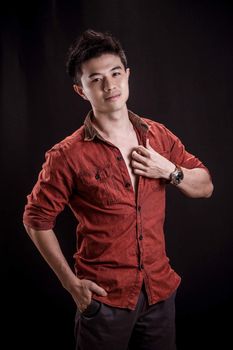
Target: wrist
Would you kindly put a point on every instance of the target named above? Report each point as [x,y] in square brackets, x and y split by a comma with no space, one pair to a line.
[176,176]
[72,282]
[171,168]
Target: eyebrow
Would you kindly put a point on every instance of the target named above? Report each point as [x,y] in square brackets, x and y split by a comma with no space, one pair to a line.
[93,74]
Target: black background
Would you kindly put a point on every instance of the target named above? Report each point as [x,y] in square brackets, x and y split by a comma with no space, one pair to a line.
[180,55]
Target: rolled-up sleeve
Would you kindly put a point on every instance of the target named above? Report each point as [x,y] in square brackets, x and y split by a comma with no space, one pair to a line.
[180,156]
[51,192]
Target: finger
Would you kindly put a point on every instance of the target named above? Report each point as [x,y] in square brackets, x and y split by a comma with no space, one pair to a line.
[139,158]
[84,300]
[142,150]
[97,289]
[148,146]
[138,165]
[140,172]
[83,309]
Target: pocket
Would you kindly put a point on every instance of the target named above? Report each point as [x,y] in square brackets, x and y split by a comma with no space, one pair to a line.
[98,185]
[92,310]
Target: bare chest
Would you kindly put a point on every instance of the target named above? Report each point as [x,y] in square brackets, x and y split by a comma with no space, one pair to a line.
[126,148]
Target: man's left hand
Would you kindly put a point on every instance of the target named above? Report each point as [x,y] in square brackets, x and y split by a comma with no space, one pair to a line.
[147,162]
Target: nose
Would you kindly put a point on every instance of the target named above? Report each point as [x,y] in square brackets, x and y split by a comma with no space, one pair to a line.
[108,84]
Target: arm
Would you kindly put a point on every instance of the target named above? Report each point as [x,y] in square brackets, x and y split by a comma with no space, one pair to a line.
[147,162]
[196,183]
[48,198]
[47,244]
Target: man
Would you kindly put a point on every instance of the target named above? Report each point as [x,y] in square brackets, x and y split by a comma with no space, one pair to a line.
[113,173]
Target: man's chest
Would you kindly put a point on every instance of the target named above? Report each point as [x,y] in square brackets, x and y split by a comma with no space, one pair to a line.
[104,171]
[126,148]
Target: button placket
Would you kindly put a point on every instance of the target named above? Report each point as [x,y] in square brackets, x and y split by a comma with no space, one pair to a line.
[141,266]
[125,172]
[139,238]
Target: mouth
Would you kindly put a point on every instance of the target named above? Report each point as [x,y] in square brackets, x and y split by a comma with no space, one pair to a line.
[112,97]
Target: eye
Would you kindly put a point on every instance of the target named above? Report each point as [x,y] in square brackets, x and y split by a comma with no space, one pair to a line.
[96,80]
[116,74]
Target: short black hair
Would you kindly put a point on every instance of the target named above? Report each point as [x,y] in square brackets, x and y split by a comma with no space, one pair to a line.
[89,45]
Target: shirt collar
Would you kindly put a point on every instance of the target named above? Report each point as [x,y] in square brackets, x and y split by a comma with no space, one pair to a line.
[91,132]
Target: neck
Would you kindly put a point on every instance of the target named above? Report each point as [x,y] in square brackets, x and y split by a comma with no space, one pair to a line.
[113,124]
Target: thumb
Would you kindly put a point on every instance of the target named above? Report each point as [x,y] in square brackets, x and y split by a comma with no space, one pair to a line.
[148,146]
[97,289]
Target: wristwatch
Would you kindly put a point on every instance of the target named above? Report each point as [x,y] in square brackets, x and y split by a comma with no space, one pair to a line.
[176,176]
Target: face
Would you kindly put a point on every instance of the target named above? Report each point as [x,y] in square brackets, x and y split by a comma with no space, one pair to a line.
[104,83]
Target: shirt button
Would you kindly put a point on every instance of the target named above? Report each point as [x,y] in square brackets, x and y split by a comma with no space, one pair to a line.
[141,237]
[119,157]
[141,267]
[97,176]
[139,208]
[127,184]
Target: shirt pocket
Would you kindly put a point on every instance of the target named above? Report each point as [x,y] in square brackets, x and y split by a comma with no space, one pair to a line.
[98,185]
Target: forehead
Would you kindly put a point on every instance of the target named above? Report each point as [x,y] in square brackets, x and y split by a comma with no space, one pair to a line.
[101,64]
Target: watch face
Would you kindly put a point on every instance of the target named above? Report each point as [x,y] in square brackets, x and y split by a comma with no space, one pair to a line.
[181,174]
[177,176]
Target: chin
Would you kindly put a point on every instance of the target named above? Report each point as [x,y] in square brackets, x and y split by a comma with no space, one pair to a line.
[115,110]
[120,106]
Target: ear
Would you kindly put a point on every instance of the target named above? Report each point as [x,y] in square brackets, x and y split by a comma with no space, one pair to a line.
[79,90]
[128,72]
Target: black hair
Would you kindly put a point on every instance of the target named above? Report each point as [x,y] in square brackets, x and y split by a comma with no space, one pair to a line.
[89,45]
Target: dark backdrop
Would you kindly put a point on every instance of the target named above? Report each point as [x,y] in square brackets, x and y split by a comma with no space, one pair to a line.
[180,55]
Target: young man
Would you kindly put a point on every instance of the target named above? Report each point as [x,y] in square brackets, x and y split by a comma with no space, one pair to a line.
[113,173]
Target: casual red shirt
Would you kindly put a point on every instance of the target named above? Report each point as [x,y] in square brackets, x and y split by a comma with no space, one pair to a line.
[120,238]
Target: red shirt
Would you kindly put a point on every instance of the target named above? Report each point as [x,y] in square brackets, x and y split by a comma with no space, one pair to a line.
[120,239]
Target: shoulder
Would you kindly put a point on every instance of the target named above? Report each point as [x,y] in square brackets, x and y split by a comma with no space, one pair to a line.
[154,125]
[68,144]
[159,134]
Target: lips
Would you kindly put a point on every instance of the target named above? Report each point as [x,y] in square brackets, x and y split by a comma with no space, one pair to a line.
[112,97]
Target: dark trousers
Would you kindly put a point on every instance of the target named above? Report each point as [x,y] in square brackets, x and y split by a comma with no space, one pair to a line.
[103,327]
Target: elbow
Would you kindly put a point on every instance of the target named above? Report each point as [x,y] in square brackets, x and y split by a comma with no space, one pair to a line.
[26,228]
[29,230]
[209,190]
[204,192]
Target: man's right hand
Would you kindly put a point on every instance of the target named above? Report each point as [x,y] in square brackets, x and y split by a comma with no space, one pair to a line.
[80,289]
[82,293]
